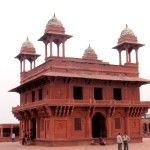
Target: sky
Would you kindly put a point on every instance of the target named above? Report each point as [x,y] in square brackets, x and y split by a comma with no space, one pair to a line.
[95,22]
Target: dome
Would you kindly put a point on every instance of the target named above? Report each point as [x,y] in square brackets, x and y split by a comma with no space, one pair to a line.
[27,44]
[89,53]
[54,21]
[89,50]
[127,31]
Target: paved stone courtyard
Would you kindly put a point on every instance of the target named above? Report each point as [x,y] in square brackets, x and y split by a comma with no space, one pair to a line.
[132,146]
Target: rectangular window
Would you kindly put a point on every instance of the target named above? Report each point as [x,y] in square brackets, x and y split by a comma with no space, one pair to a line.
[33,96]
[77,93]
[117,93]
[98,94]
[117,123]
[40,94]
[77,123]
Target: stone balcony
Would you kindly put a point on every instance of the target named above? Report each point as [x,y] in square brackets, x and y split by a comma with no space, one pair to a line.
[81,103]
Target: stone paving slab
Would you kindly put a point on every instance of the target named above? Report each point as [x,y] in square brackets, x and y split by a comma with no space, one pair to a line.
[145,145]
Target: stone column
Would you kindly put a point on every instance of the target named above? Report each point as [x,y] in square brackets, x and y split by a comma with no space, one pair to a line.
[58,50]
[130,57]
[108,126]
[21,66]
[63,49]
[1,132]
[45,50]
[37,133]
[120,63]
[31,65]
[51,54]
[136,53]
[127,54]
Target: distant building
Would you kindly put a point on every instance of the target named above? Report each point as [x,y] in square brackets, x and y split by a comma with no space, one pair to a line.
[6,131]
[72,101]
[146,124]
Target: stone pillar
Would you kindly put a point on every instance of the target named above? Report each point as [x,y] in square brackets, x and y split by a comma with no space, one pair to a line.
[51,54]
[89,127]
[127,126]
[31,65]
[120,60]
[11,130]
[1,132]
[37,129]
[45,50]
[127,54]
[108,126]
[58,50]
[34,64]
[21,66]
[63,49]
[130,57]
[136,53]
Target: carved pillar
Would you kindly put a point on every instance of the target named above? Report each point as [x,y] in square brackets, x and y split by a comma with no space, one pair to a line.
[51,54]
[45,50]
[127,54]
[63,49]
[127,125]
[34,63]
[89,127]
[58,50]
[37,129]
[24,65]
[31,65]
[136,53]
[108,126]
[120,63]
[21,66]
[1,132]
[11,130]
[130,56]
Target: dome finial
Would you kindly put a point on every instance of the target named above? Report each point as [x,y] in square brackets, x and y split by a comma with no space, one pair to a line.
[126,26]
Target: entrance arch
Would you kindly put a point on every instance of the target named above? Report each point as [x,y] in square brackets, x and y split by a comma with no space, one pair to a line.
[98,125]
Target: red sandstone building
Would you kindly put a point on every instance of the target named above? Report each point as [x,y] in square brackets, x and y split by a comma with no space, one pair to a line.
[70,101]
[6,131]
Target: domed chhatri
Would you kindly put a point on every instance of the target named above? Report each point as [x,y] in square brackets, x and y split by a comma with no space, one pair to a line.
[27,47]
[54,21]
[127,31]
[27,44]
[89,53]
[127,35]
[54,26]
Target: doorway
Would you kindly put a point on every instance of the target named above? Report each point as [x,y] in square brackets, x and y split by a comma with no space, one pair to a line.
[33,127]
[98,126]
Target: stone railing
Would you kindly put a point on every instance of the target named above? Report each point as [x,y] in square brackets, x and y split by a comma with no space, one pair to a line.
[72,102]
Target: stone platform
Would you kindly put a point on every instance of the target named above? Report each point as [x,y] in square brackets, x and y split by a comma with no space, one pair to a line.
[145,145]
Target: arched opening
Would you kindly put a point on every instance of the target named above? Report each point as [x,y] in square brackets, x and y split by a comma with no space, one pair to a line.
[33,128]
[98,126]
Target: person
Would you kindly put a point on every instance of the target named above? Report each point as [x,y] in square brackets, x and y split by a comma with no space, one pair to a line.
[24,138]
[31,135]
[13,137]
[126,139]
[101,141]
[28,136]
[119,141]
